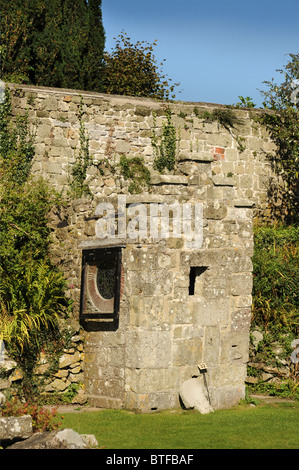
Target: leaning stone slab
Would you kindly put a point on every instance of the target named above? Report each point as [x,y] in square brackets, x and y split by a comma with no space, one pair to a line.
[15,427]
[193,396]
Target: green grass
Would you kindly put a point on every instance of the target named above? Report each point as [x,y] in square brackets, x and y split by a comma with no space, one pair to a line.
[274,426]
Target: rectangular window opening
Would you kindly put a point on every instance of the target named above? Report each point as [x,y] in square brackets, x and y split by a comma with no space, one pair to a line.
[196,280]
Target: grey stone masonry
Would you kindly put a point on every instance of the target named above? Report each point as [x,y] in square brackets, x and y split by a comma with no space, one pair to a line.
[182,302]
[15,427]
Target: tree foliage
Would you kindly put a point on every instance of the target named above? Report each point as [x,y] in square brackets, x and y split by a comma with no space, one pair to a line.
[283,126]
[15,55]
[52,43]
[32,292]
[131,69]
[276,278]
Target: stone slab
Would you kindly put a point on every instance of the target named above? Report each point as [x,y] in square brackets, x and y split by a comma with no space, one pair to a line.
[15,427]
[193,396]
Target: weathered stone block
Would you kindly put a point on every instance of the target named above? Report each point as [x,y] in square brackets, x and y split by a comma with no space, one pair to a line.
[122,147]
[151,283]
[241,284]
[211,346]
[234,347]
[62,439]
[15,427]
[151,380]
[142,110]
[169,179]
[154,401]
[240,319]
[227,375]
[181,312]
[226,396]
[211,311]
[215,210]
[219,180]
[53,168]
[193,395]
[58,385]
[4,383]
[148,349]
[50,103]
[187,351]
[68,359]
[43,131]
[148,311]
[196,156]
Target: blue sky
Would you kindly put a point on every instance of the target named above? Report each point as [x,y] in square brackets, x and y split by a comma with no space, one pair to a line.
[216,49]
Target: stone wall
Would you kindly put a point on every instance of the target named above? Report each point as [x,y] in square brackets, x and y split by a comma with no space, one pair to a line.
[180,305]
[52,378]
[118,125]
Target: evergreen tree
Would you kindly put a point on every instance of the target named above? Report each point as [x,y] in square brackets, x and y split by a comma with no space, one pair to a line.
[62,42]
[15,48]
[96,40]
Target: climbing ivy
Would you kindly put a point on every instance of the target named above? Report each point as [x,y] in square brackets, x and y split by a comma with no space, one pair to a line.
[165,146]
[134,169]
[79,186]
[32,291]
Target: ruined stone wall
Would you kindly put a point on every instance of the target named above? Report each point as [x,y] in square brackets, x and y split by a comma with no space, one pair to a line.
[119,125]
[166,329]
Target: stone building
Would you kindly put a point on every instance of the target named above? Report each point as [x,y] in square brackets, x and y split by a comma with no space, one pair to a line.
[165,294]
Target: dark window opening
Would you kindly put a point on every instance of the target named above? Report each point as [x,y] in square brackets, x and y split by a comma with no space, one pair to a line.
[196,280]
[106,272]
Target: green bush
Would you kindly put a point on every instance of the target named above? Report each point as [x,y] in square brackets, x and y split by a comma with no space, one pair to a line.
[134,169]
[32,289]
[30,304]
[42,419]
[282,123]
[131,69]
[276,278]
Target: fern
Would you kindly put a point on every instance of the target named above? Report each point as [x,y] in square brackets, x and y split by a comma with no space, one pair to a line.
[30,304]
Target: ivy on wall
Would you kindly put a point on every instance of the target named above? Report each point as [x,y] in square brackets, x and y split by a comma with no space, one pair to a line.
[165,145]
[78,184]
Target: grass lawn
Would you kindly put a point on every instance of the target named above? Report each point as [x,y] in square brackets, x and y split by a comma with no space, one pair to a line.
[265,426]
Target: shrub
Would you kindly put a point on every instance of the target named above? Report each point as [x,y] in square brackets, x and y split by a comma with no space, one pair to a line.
[283,126]
[134,169]
[276,277]
[42,419]
[131,69]
[32,289]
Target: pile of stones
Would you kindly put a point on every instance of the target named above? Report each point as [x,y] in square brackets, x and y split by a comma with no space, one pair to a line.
[274,368]
[16,433]
[69,372]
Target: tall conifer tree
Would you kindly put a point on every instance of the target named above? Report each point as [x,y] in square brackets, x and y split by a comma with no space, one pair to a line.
[16,25]
[61,42]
